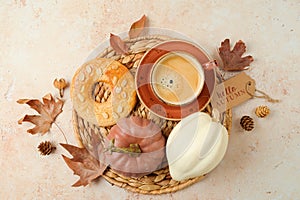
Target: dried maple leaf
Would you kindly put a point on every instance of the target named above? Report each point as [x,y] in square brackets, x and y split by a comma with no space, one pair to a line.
[137,27]
[83,164]
[232,59]
[118,44]
[49,109]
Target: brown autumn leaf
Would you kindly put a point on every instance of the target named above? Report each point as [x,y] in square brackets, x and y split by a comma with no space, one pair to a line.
[137,27]
[232,59]
[83,164]
[118,44]
[49,109]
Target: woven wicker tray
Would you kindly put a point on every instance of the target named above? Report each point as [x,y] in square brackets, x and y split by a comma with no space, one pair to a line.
[160,181]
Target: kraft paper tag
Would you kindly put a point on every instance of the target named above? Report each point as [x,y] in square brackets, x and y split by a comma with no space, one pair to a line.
[233,92]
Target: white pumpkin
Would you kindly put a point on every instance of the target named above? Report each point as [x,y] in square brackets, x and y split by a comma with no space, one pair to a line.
[195,146]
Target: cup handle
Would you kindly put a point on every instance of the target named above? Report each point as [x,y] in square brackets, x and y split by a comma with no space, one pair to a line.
[210,65]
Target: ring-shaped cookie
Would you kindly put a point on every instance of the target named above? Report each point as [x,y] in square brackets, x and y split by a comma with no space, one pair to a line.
[121,83]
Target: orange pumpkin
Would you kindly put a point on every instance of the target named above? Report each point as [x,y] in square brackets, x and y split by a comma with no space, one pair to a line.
[135,147]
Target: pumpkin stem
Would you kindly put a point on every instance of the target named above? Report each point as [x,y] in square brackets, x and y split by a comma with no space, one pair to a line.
[132,150]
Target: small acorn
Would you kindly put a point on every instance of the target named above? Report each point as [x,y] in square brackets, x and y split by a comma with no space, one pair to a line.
[262,111]
[60,84]
[247,123]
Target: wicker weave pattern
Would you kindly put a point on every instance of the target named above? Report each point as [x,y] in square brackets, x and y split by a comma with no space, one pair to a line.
[157,182]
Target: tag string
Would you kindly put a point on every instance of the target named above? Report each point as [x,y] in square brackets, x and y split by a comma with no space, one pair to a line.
[264,95]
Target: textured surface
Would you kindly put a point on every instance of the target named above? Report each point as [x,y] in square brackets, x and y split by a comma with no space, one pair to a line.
[44,40]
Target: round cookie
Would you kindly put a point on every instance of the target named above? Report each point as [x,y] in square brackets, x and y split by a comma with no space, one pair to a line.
[121,84]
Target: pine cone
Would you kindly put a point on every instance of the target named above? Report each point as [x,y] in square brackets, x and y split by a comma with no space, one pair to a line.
[262,111]
[46,148]
[247,123]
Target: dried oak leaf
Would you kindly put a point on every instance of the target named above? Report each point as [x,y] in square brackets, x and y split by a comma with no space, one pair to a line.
[232,59]
[83,164]
[49,109]
[137,27]
[118,44]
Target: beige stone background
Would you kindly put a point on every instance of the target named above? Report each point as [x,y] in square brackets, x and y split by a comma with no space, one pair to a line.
[47,39]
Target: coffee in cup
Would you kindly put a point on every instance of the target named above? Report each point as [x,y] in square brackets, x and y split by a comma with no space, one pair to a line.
[177,78]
